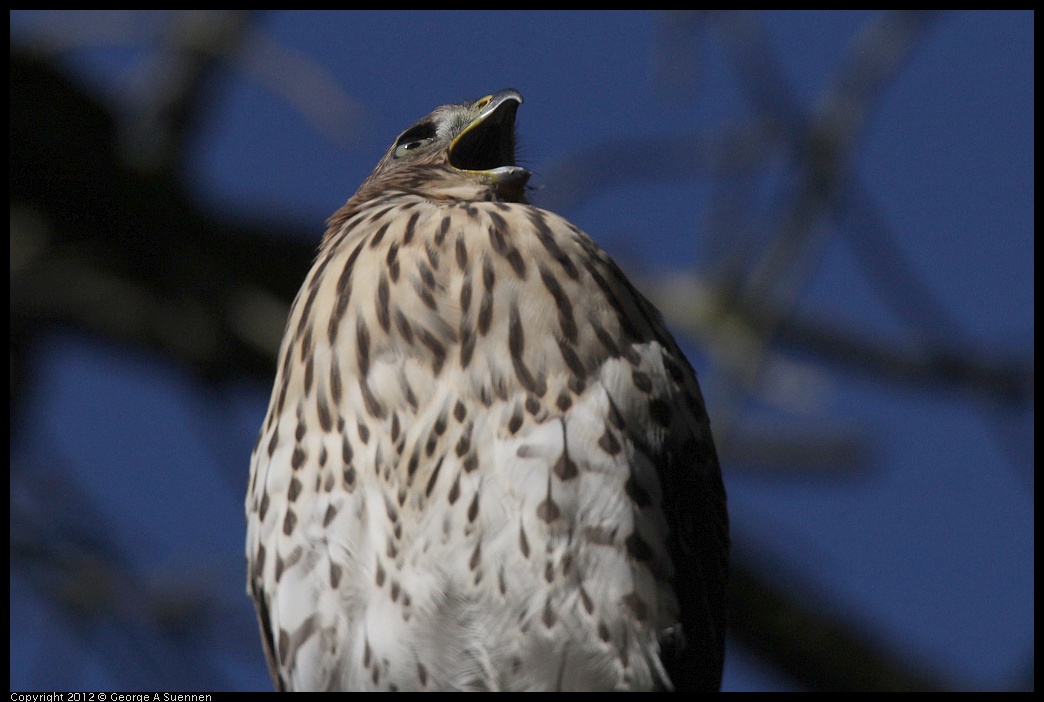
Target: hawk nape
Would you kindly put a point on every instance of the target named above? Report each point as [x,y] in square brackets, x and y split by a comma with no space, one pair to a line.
[486,464]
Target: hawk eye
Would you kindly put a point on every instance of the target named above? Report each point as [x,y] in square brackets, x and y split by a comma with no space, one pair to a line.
[414,138]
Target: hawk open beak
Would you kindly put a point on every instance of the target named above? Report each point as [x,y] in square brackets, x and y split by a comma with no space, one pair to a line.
[487,145]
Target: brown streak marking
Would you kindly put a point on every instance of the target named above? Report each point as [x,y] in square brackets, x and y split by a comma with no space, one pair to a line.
[384,304]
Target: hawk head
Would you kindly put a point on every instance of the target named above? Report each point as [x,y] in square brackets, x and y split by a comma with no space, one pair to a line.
[458,152]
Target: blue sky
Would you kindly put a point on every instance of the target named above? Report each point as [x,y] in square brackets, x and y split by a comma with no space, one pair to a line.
[929,548]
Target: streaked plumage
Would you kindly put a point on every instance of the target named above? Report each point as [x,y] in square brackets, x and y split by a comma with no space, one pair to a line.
[486,463]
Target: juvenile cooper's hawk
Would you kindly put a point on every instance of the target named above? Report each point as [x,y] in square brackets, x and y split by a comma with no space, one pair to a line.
[486,463]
